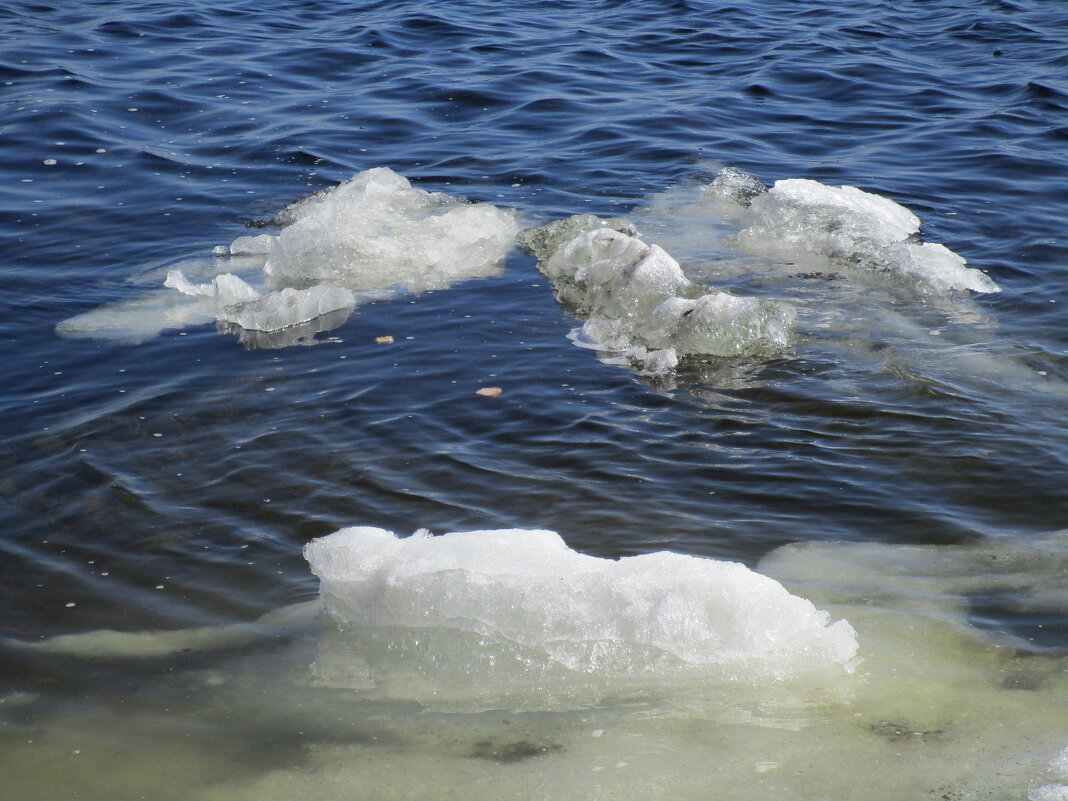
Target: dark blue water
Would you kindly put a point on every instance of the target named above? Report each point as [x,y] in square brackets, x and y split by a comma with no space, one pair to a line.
[173,483]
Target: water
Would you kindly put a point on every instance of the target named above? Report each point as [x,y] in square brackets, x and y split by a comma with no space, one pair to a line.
[165,489]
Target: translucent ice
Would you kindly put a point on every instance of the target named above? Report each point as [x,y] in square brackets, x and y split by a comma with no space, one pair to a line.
[238,303]
[251,245]
[376,231]
[541,241]
[288,307]
[485,611]
[226,288]
[804,220]
[735,186]
[639,302]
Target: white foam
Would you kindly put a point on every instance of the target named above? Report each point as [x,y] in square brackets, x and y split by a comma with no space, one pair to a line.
[484,613]
[861,232]
[376,231]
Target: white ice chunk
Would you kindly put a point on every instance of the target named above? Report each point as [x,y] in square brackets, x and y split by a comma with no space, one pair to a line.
[808,222]
[251,245]
[943,270]
[377,231]
[487,609]
[640,302]
[879,217]
[288,307]
[375,234]
[606,264]
[226,288]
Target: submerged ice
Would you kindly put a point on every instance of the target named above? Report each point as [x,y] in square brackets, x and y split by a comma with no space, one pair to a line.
[853,230]
[517,614]
[416,682]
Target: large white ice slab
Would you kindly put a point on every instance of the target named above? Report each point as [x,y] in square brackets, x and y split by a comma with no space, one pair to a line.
[485,613]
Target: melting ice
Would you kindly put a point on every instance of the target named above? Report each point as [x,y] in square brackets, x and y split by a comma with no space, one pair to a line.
[401,700]
[377,231]
[639,303]
[864,233]
[482,616]
[371,235]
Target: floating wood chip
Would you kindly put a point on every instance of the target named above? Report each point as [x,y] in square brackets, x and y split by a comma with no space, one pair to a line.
[489,392]
[384,340]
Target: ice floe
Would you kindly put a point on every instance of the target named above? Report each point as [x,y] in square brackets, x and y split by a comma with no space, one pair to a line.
[416,681]
[515,613]
[377,231]
[370,237]
[638,302]
[849,229]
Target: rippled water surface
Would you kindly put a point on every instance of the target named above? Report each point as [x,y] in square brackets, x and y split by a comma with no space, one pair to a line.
[171,483]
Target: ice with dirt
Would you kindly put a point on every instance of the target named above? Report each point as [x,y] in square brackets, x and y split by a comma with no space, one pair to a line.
[484,613]
[860,232]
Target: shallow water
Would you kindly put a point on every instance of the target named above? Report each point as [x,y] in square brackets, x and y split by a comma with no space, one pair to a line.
[171,484]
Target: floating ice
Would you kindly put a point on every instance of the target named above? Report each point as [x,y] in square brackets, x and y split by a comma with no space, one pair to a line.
[288,307]
[639,303]
[801,219]
[1031,576]
[376,231]
[735,186]
[937,708]
[483,613]
[132,322]
[108,644]
[542,240]
[226,288]
[238,303]
[251,245]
